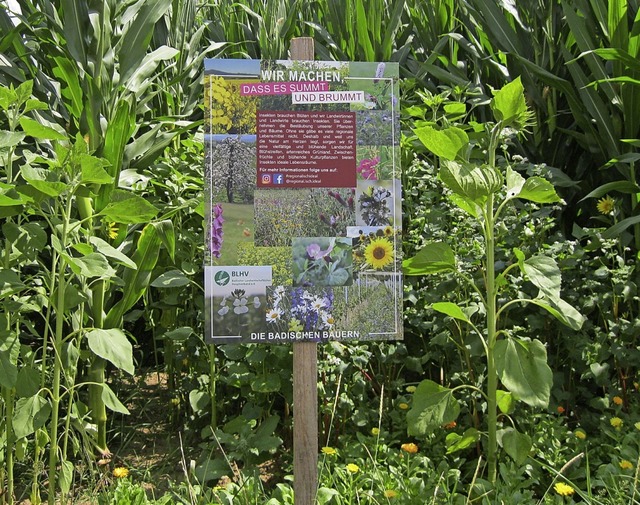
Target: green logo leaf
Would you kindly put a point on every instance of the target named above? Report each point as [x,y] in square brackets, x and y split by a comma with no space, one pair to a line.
[221,278]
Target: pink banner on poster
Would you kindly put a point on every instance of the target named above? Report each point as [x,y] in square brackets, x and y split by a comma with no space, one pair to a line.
[282,88]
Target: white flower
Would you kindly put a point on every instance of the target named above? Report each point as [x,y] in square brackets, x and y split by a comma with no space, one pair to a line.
[223,310]
[274,315]
[328,320]
[256,302]
[240,306]
[317,304]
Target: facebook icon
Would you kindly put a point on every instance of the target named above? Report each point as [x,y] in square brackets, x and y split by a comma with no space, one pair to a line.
[278,179]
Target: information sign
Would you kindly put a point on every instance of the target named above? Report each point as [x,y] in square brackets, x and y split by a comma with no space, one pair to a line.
[303,199]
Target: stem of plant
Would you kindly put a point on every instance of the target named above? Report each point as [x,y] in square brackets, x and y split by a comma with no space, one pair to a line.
[492,375]
[212,386]
[96,371]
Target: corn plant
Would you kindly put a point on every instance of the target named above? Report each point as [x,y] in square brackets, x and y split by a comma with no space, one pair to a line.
[484,185]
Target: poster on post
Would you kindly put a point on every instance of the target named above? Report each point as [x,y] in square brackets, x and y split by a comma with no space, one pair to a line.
[303,201]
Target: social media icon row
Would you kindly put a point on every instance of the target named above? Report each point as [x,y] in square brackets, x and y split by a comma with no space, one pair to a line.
[272,179]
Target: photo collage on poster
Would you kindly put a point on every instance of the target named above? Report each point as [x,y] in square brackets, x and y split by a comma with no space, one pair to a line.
[303,195]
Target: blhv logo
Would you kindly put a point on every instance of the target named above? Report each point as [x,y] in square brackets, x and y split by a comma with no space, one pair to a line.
[221,278]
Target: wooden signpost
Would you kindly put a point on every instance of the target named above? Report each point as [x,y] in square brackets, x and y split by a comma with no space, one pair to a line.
[305,381]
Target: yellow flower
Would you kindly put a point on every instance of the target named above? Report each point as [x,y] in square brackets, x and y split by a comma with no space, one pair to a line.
[120,472]
[112,230]
[616,422]
[617,400]
[626,465]
[375,432]
[563,489]
[390,493]
[581,434]
[403,406]
[329,451]
[606,205]
[411,448]
[388,231]
[353,468]
[410,389]
[379,253]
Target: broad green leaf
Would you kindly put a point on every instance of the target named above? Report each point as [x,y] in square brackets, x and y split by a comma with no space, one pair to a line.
[445,143]
[29,238]
[112,344]
[38,131]
[199,400]
[470,181]
[28,382]
[432,258]
[171,279]
[538,190]
[111,401]
[562,311]
[506,401]
[433,406]
[508,104]
[91,265]
[30,414]
[451,310]
[111,252]
[179,334]
[10,139]
[93,171]
[10,283]
[523,369]
[76,19]
[470,207]
[544,273]
[517,445]
[456,442]
[128,208]
[267,383]
[9,352]
[66,476]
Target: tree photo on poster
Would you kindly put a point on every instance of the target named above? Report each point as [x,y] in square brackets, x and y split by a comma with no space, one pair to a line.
[303,197]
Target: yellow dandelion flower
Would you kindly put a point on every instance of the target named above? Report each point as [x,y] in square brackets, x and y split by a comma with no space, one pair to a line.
[112,231]
[581,434]
[329,451]
[379,253]
[411,448]
[626,465]
[353,468]
[606,205]
[403,406]
[375,432]
[616,422]
[564,489]
[120,472]
[390,493]
[617,400]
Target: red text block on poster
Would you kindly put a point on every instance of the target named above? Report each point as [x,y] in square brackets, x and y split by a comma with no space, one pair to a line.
[299,149]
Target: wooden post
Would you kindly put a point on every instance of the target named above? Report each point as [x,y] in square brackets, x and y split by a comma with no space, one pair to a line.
[305,380]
